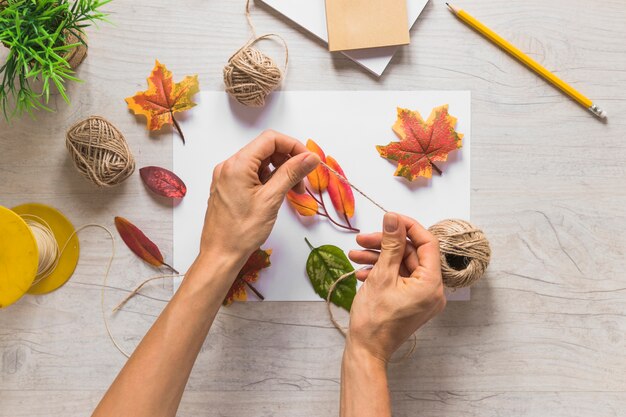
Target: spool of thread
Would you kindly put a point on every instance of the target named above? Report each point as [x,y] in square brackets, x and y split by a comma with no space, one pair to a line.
[48,248]
[465,252]
[100,152]
[250,75]
[39,251]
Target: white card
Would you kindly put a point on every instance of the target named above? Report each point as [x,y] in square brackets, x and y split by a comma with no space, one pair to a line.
[311,15]
[347,125]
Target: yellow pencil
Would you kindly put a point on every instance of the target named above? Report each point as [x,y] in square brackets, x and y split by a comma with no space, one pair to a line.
[528,61]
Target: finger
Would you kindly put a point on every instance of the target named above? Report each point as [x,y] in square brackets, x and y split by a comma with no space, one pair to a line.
[278,159]
[426,243]
[265,174]
[362,274]
[373,241]
[368,257]
[289,174]
[364,257]
[392,247]
[270,142]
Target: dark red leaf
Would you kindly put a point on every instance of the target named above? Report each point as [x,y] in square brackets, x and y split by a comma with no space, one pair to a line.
[163,182]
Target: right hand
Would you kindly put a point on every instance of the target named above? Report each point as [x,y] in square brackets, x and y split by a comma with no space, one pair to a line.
[401,292]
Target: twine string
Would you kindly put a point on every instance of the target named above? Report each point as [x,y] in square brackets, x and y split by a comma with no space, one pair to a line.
[49,258]
[354,187]
[47,245]
[100,152]
[343,331]
[250,75]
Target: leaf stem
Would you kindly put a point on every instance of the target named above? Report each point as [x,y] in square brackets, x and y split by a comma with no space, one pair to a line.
[345,216]
[309,243]
[177,126]
[255,291]
[327,214]
[171,269]
[436,168]
[343,226]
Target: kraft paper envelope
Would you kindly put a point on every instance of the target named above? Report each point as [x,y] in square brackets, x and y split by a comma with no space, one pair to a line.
[357,24]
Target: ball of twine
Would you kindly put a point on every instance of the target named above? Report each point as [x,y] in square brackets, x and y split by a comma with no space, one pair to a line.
[100,152]
[77,54]
[250,75]
[465,252]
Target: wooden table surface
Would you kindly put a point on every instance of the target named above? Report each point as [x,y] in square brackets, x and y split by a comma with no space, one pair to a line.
[545,332]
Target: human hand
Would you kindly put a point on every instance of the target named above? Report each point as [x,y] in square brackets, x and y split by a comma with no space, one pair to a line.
[401,292]
[246,195]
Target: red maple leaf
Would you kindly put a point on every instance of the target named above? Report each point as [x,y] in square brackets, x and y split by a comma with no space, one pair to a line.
[260,259]
[422,142]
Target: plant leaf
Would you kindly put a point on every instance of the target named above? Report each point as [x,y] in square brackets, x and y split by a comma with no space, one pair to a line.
[319,177]
[163,182]
[304,204]
[421,142]
[139,243]
[324,266]
[340,193]
[163,98]
[249,273]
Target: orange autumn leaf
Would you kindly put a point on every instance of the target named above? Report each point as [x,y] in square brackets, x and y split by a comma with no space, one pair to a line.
[422,142]
[249,273]
[163,98]
[339,191]
[140,244]
[304,204]
[319,177]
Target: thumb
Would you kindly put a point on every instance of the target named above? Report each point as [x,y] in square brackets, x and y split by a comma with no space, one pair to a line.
[392,245]
[289,174]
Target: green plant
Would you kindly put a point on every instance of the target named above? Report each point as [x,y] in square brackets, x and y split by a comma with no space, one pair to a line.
[39,35]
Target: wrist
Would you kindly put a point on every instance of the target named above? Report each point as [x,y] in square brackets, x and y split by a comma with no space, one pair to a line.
[211,254]
[355,354]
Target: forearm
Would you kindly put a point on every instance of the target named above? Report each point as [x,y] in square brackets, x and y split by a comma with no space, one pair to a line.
[154,378]
[364,390]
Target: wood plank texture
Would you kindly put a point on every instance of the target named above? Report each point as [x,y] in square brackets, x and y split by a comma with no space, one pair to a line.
[545,331]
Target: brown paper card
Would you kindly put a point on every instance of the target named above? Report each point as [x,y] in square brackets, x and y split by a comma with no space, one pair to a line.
[356,24]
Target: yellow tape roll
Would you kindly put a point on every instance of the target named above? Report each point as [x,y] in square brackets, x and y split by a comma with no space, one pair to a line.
[19,257]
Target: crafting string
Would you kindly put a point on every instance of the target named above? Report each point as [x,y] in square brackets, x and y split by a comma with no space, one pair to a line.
[250,75]
[47,246]
[50,255]
[354,187]
[342,330]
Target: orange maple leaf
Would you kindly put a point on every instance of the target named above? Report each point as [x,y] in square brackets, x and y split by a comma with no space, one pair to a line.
[422,142]
[163,98]
[260,259]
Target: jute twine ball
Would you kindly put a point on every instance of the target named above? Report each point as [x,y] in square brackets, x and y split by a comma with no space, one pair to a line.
[76,55]
[250,75]
[100,152]
[465,252]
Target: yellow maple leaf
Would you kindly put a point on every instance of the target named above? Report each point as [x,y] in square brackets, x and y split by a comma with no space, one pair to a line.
[163,98]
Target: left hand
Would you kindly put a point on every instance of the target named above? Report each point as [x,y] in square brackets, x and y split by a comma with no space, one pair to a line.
[246,195]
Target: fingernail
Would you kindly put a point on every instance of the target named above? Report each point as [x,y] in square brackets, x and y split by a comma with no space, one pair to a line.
[390,222]
[310,161]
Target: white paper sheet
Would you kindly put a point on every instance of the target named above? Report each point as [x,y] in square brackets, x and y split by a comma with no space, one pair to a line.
[347,125]
[311,15]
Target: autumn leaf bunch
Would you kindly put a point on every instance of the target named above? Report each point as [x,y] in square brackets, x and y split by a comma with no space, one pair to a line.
[311,203]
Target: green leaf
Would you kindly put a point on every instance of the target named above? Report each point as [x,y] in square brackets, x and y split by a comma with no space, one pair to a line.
[324,266]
